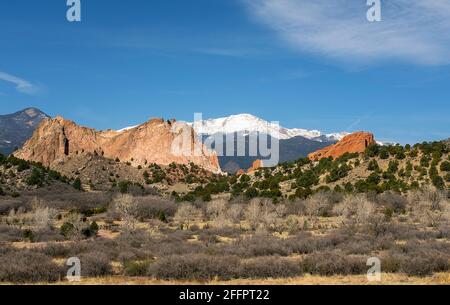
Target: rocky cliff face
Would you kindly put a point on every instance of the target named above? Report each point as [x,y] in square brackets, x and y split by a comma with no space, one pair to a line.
[354,143]
[156,141]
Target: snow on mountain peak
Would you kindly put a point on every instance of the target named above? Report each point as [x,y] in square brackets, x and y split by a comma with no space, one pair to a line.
[251,124]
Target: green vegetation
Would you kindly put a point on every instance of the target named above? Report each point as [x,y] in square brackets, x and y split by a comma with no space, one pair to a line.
[445,166]
[305,178]
[373,166]
[77,184]
[126,186]
[338,172]
[37,177]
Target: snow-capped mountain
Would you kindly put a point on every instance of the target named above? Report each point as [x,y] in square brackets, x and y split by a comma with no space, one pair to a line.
[248,123]
[293,143]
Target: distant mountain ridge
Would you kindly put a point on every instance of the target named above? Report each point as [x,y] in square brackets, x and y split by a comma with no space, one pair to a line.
[252,124]
[18,127]
[294,143]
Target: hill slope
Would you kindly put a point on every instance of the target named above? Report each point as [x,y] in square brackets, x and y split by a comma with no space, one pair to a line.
[16,128]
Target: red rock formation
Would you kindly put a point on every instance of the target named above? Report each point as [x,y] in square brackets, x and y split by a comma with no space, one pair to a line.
[240,172]
[156,141]
[256,165]
[354,143]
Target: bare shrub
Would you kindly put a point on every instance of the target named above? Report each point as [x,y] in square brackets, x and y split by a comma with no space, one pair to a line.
[356,209]
[235,213]
[167,247]
[393,201]
[37,217]
[417,262]
[194,267]
[225,232]
[127,208]
[301,243]
[295,207]
[67,198]
[253,213]
[207,238]
[216,208]
[6,205]
[42,216]
[269,267]
[431,207]
[315,206]
[306,243]
[292,224]
[319,204]
[73,226]
[384,242]
[269,217]
[137,268]
[333,263]
[10,234]
[186,214]
[216,211]
[95,264]
[57,250]
[358,246]
[28,267]
[46,235]
[151,207]
[377,224]
[280,210]
[261,213]
[392,263]
[257,245]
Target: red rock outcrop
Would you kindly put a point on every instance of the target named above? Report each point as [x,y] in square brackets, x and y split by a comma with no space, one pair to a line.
[256,165]
[354,143]
[240,172]
[156,141]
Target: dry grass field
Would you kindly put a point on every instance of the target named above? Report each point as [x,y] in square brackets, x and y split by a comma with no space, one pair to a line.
[324,240]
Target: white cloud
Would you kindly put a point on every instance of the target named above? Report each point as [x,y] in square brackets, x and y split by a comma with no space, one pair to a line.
[410,30]
[224,52]
[22,85]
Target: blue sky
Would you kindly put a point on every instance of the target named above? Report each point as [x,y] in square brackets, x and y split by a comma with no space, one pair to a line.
[308,64]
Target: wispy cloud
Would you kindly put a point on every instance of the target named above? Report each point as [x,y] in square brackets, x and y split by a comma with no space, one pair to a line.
[228,52]
[20,84]
[413,31]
